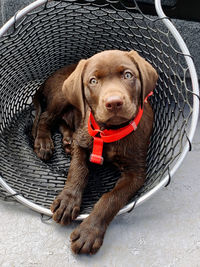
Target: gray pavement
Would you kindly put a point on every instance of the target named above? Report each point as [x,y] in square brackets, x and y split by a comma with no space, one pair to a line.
[164,231]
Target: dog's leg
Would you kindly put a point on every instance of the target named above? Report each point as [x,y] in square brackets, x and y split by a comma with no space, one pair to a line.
[66,206]
[67,136]
[67,128]
[88,236]
[43,145]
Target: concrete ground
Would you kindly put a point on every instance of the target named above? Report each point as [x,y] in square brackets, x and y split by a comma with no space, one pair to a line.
[163,232]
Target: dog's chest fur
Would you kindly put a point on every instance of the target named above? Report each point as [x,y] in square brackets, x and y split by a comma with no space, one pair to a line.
[126,152]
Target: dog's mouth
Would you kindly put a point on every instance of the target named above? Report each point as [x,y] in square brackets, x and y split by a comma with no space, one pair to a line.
[119,120]
[116,121]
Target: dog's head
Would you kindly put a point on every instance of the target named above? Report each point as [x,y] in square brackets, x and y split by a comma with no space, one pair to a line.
[113,83]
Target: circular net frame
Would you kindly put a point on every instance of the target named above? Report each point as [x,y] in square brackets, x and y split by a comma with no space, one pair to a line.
[59,33]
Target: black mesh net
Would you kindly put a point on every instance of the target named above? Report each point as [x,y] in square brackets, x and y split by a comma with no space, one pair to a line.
[59,33]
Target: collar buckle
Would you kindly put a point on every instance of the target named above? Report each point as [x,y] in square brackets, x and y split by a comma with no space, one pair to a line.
[96,159]
[96,156]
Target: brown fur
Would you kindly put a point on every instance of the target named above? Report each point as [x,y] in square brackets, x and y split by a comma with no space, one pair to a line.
[114,98]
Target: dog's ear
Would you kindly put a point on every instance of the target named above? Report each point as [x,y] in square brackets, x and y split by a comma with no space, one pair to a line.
[148,75]
[73,88]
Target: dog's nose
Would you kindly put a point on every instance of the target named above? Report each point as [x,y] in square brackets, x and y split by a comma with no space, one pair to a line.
[113,103]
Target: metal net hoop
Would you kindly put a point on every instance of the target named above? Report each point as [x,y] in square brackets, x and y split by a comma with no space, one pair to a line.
[48,35]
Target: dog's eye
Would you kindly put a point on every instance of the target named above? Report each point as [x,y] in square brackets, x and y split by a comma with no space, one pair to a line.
[93,81]
[128,75]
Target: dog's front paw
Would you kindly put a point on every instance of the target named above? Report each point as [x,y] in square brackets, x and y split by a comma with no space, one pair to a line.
[87,238]
[44,147]
[66,206]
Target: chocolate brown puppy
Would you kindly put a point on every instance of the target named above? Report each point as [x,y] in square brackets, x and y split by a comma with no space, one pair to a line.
[112,86]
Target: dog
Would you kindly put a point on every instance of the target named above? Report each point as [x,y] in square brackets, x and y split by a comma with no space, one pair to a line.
[95,102]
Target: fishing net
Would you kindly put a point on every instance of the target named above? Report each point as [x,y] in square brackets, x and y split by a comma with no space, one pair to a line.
[58,33]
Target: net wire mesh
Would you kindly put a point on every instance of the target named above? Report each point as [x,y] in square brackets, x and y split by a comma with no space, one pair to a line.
[59,33]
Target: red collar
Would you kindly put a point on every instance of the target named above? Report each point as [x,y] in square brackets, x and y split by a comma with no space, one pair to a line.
[109,136]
